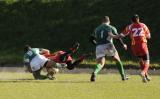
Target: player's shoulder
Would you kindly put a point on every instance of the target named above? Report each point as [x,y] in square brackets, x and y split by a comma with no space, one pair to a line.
[35,49]
[143,25]
[130,26]
[112,27]
[99,26]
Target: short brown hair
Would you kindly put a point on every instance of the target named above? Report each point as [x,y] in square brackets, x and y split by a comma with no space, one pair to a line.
[106,19]
[26,47]
[135,17]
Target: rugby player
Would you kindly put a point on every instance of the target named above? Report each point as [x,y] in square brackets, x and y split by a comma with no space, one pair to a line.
[34,61]
[103,39]
[66,56]
[139,33]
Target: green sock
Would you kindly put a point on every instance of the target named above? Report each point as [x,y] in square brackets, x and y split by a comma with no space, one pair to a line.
[120,68]
[97,69]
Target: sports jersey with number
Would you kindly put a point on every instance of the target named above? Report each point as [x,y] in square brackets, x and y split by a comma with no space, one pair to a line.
[138,33]
[30,54]
[101,34]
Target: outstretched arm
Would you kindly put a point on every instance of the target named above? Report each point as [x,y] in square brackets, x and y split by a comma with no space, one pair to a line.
[114,36]
[124,45]
[44,51]
[118,36]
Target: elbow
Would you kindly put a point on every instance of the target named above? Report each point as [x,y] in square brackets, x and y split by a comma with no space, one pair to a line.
[149,37]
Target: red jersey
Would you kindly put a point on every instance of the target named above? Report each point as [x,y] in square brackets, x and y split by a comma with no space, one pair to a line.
[138,33]
[56,57]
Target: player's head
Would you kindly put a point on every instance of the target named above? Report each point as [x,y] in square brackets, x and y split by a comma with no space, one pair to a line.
[135,18]
[26,48]
[106,19]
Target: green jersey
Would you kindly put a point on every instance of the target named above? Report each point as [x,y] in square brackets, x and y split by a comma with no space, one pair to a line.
[101,34]
[30,54]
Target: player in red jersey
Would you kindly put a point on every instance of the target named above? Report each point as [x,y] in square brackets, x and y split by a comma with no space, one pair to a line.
[66,57]
[139,33]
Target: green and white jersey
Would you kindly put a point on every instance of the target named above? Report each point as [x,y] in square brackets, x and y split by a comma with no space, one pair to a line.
[101,34]
[30,54]
[37,50]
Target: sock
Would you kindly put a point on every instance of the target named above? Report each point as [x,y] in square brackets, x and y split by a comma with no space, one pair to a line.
[120,68]
[71,65]
[98,68]
[146,66]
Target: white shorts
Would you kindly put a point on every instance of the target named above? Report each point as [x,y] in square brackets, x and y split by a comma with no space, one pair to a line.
[38,62]
[105,50]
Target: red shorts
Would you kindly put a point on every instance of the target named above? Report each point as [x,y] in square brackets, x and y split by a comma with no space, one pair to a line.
[140,49]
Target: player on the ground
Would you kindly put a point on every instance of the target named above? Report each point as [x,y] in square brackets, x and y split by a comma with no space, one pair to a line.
[35,62]
[139,33]
[66,56]
[103,39]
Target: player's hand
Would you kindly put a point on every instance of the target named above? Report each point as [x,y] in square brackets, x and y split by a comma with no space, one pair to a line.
[125,46]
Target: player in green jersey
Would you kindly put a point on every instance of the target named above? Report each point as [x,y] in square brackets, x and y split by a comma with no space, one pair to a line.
[35,62]
[103,39]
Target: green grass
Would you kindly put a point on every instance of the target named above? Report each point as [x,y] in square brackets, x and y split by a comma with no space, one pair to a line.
[131,63]
[77,86]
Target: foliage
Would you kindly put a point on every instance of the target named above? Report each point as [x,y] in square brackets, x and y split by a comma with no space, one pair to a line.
[57,24]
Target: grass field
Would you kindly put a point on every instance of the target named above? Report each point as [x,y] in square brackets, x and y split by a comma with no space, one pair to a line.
[77,86]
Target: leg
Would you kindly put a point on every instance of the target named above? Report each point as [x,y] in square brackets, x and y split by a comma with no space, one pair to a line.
[141,63]
[50,70]
[141,50]
[120,66]
[38,76]
[70,51]
[99,66]
[72,64]
[146,63]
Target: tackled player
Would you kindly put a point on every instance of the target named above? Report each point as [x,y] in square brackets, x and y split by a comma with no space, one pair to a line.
[34,61]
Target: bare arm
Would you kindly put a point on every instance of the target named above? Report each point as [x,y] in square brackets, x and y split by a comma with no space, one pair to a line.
[124,45]
[44,51]
[114,36]
[119,36]
[148,36]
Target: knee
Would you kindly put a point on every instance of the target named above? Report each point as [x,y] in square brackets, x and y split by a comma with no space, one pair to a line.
[49,64]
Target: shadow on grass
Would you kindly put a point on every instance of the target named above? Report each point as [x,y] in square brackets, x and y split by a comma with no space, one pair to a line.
[113,66]
[38,81]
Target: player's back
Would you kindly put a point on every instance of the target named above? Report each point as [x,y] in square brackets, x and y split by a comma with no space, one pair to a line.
[138,32]
[101,34]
